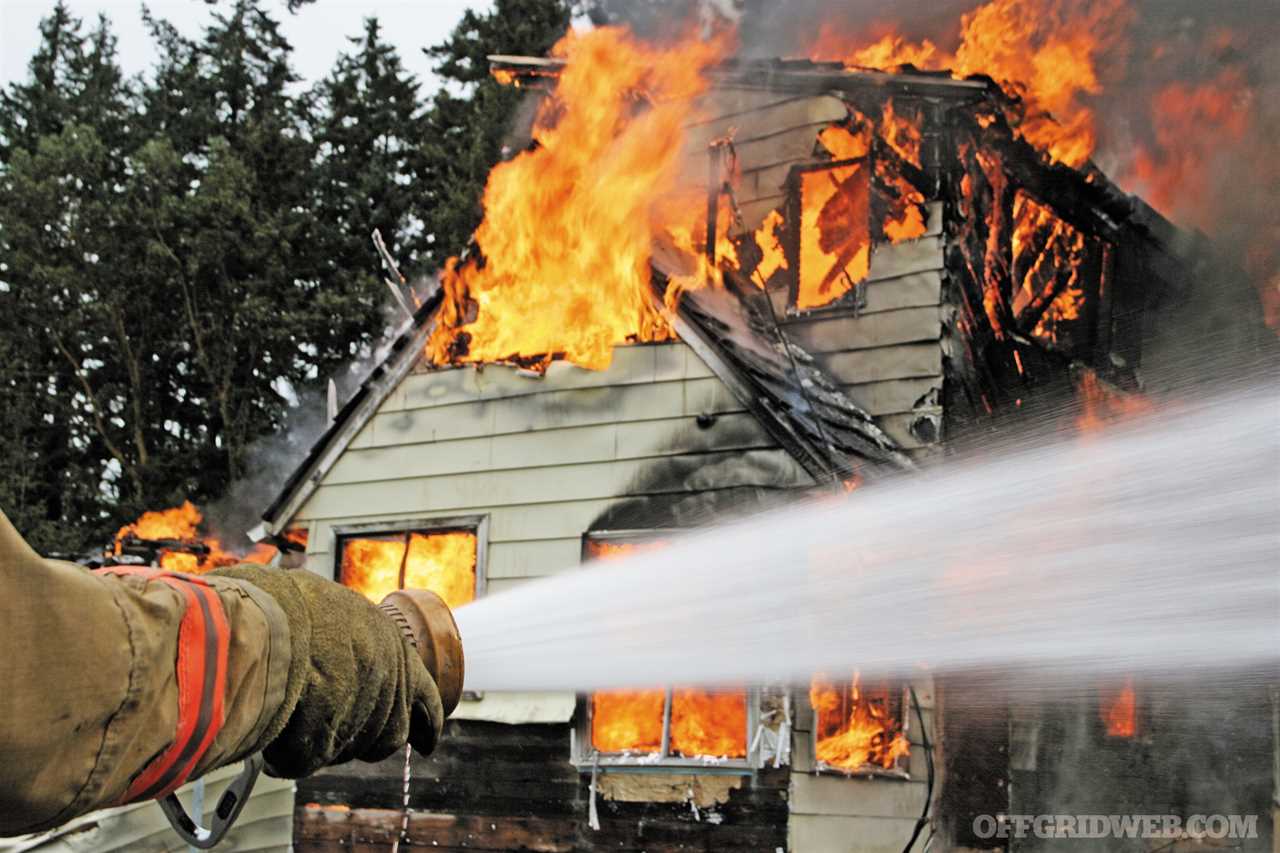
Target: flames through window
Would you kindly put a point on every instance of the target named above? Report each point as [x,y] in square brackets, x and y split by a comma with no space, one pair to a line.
[663,723]
[441,559]
[859,727]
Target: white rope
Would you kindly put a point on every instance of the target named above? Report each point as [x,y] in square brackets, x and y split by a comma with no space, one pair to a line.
[593,816]
[404,803]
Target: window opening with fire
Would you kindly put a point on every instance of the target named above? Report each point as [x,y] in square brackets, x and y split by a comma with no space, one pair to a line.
[664,725]
[829,209]
[443,556]
[1058,273]
[860,728]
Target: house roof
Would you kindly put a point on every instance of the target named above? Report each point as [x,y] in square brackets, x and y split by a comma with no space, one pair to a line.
[793,398]
[734,331]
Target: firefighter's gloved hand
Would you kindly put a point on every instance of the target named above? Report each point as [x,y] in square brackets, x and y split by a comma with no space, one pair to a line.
[356,688]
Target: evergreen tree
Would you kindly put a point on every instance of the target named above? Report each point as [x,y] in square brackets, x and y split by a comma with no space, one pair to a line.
[368,132]
[471,115]
[64,142]
[231,215]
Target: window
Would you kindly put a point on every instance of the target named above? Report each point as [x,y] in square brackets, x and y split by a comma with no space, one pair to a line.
[681,725]
[444,556]
[828,208]
[859,728]
[1056,270]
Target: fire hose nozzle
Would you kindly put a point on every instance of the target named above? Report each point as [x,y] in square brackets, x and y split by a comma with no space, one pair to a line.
[428,625]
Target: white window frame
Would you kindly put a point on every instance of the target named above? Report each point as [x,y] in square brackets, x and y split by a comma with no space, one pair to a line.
[585,756]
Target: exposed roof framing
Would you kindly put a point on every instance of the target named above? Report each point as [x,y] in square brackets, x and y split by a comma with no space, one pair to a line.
[782,385]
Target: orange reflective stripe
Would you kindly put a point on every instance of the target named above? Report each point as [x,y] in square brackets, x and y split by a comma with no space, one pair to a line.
[201,668]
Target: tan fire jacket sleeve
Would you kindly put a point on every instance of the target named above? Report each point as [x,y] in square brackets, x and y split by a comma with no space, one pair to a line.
[90,673]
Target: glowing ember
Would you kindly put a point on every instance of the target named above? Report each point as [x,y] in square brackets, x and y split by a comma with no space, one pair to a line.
[1119,710]
[703,722]
[443,562]
[565,242]
[1044,52]
[855,726]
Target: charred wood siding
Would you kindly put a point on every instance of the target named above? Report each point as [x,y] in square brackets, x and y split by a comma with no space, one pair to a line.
[497,787]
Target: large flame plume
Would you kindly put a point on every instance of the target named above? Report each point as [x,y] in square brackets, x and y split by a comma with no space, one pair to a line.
[563,252]
[1044,52]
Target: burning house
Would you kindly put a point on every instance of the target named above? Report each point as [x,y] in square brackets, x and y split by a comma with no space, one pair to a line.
[709,287]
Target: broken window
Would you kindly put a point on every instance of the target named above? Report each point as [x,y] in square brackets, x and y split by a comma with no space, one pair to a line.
[859,728]
[1056,270]
[831,233]
[444,557]
[663,725]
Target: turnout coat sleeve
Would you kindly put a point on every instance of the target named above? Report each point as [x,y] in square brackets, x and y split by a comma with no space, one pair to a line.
[116,688]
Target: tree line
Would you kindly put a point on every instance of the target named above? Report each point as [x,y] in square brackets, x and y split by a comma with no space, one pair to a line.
[183,253]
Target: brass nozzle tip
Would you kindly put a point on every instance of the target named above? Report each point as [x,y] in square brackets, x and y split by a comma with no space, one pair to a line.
[428,624]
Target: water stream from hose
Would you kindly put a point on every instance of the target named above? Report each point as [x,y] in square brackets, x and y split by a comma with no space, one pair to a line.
[1152,547]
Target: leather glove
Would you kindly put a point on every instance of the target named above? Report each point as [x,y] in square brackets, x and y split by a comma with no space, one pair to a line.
[356,687]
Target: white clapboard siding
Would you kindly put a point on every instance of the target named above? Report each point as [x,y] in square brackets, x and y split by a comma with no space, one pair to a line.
[904,361]
[831,834]
[548,410]
[533,559]
[544,457]
[769,118]
[632,365]
[527,523]
[445,494]
[266,824]
[553,447]
[896,395]
[844,333]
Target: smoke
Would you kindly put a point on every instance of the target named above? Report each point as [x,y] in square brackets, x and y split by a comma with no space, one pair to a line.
[272,459]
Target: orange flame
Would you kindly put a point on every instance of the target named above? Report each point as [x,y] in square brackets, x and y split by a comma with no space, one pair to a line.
[855,727]
[712,723]
[1102,403]
[1119,710]
[564,248]
[1044,52]
[442,561]
[835,236]
[627,720]
[182,525]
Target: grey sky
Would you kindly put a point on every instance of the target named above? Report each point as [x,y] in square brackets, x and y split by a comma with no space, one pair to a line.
[317,32]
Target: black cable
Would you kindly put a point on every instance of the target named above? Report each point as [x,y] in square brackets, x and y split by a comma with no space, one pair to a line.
[928,791]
